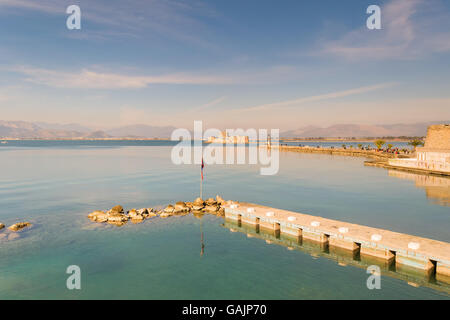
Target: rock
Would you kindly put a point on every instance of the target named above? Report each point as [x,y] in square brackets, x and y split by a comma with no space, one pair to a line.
[199,202]
[169,209]
[133,214]
[117,218]
[211,209]
[2,226]
[19,226]
[211,202]
[165,214]
[221,212]
[181,207]
[148,213]
[142,211]
[117,209]
[98,216]
[220,200]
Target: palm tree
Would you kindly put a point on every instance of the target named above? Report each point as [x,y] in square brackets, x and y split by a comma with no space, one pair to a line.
[379,143]
[415,143]
[389,146]
[360,146]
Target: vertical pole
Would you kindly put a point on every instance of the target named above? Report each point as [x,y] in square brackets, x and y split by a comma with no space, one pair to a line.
[201,188]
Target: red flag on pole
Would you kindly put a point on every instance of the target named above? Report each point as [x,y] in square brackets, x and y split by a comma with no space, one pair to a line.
[203,165]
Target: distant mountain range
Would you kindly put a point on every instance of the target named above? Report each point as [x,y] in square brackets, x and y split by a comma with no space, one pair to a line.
[362,131]
[43,130]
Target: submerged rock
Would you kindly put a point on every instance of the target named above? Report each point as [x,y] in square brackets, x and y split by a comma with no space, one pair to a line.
[98,216]
[13,236]
[19,226]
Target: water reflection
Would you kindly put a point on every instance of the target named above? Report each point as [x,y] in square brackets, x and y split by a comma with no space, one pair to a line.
[436,188]
[342,257]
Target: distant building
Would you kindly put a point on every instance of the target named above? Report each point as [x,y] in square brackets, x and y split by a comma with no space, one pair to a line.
[435,155]
[225,138]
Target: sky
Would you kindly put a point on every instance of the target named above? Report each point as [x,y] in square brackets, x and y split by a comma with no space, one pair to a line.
[236,63]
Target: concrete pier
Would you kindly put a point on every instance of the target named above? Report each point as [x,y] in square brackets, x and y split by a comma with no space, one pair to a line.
[402,250]
[342,257]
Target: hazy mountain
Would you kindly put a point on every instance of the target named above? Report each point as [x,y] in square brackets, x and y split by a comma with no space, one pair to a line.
[64,127]
[29,130]
[43,130]
[355,130]
[142,130]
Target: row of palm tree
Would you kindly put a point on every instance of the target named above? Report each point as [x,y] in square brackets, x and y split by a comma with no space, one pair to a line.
[379,143]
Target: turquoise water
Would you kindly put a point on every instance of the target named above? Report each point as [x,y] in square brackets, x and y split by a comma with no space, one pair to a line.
[55,185]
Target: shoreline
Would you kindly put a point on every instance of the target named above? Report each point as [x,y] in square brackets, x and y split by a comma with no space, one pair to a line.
[342,152]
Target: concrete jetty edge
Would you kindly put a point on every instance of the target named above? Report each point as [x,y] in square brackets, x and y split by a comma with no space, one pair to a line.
[402,250]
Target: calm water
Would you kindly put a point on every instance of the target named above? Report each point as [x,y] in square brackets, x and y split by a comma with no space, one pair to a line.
[55,185]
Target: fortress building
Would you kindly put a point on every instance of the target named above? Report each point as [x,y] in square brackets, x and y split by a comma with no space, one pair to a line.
[225,138]
[435,155]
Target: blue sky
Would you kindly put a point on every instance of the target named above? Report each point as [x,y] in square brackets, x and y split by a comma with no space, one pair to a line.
[273,64]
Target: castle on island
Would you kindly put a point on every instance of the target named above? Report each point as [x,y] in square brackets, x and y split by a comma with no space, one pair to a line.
[434,155]
[225,138]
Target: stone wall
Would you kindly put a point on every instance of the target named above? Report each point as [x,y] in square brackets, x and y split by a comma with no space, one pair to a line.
[438,137]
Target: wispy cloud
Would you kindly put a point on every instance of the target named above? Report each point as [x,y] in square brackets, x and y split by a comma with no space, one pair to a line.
[89,79]
[410,29]
[327,96]
[175,19]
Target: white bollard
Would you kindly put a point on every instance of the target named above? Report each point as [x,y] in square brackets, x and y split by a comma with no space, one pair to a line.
[413,245]
[376,237]
[343,230]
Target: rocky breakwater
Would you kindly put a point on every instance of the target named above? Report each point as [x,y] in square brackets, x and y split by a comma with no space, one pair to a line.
[11,233]
[198,207]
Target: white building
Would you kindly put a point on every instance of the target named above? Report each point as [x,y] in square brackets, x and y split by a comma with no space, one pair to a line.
[435,155]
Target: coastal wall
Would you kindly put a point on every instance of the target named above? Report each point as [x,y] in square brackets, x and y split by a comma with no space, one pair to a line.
[339,151]
[402,250]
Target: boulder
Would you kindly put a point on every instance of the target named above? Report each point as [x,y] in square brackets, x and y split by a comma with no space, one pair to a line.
[199,202]
[142,211]
[221,212]
[169,209]
[19,226]
[121,218]
[211,209]
[211,202]
[133,214]
[117,209]
[165,214]
[180,206]
[2,226]
[220,200]
[98,216]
